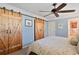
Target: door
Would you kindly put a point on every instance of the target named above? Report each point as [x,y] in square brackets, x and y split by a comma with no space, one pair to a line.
[10,31]
[51,28]
[14,31]
[3,32]
[39,29]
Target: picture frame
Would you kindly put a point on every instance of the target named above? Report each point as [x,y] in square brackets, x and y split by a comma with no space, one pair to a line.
[60,26]
[73,24]
[28,23]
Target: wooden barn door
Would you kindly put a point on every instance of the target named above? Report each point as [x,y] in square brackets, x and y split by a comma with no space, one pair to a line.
[3,32]
[10,31]
[39,28]
[14,31]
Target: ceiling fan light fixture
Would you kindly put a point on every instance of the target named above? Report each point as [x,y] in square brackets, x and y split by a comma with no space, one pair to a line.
[57,10]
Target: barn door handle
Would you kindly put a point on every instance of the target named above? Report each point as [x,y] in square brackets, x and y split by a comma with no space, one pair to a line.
[10,32]
[6,31]
[40,29]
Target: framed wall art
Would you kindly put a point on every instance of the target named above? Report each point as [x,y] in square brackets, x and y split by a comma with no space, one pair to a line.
[28,22]
[60,26]
[73,24]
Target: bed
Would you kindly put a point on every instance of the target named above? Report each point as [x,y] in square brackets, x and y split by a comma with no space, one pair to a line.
[53,45]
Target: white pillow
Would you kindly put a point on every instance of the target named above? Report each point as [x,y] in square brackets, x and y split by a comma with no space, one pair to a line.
[74,41]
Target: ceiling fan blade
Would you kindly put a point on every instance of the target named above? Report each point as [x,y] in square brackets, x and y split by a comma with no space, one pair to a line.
[61,6]
[48,14]
[66,11]
[56,14]
[44,11]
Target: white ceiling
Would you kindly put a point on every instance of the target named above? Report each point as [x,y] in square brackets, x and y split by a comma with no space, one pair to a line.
[36,7]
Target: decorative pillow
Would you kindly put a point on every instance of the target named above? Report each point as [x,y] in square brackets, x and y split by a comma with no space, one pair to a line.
[74,41]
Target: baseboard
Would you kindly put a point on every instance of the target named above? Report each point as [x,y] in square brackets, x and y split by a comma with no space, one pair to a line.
[27,45]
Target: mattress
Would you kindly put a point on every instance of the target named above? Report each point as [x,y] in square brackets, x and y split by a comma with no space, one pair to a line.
[53,45]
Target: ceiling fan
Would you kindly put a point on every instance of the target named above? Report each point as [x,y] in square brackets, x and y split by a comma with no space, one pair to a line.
[57,10]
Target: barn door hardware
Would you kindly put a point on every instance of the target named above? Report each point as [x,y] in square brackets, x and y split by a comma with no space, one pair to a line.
[19,14]
[8,31]
[12,12]
[4,9]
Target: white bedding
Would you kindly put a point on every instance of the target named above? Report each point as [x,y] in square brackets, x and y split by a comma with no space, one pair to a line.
[53,46]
